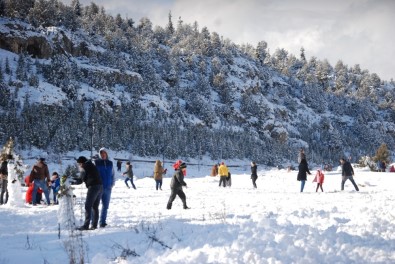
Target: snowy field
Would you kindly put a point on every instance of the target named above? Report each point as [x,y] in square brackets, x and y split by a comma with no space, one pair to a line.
[272,224]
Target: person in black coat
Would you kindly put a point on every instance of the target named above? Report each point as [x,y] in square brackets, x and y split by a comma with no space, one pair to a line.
[90,175]
[176,184]
[302,174]
[254,175]
[4,179]
[347,173]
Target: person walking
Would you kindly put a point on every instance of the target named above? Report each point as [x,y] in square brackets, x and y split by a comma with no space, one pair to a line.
[254,175]
[158,174]
[40,177]
[176,184]
[129,175]
[106,170]
[223,173]
[302,174]
[347,174]
[319,179]
[90,175]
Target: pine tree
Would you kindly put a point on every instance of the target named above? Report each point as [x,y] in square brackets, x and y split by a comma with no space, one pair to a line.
[382,153]
[170,27]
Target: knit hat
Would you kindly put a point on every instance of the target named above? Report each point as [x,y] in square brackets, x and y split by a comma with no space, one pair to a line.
[82,159]
[183,165]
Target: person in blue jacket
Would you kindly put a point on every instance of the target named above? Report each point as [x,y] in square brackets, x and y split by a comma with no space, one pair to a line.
[106,170]
[55,185]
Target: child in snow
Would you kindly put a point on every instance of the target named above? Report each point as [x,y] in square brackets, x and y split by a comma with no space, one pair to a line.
[158,174]
[55,185]
[319,179]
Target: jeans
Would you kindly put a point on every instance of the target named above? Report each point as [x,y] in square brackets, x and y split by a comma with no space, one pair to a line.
[254,181]
[43,185]
[105,203]
[92,202]
[131,181]
[158,184]
[302,183]
[351,178]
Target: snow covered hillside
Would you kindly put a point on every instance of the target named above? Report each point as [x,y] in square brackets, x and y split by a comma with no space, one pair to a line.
[274,223]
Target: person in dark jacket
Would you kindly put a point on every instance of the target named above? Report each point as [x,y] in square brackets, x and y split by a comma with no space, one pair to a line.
[129,175]
[90,175]
[302,174]
[4,178]
[254,175]
[106,170]
[176,184]
[347,173]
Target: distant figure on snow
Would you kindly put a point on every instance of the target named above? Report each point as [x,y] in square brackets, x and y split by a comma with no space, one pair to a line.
[119,165]
[214,170]
[158,174]
[129,175]
[223,173]
[302,174]
[347,173]
[177,182]
[55,185]
[254,175]
[319,179]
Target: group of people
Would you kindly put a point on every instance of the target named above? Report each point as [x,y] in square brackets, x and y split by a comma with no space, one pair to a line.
[347,173]
[99,179]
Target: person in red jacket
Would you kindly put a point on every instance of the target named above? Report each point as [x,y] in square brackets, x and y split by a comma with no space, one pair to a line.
[29,192]
[319,179]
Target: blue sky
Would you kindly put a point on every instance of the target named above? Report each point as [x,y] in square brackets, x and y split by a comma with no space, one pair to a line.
[355,31]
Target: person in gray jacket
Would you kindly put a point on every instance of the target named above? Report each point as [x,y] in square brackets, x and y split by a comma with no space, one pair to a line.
[176,184]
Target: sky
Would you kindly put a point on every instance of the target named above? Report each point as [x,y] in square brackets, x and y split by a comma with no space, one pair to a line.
[354,31]
[274,223]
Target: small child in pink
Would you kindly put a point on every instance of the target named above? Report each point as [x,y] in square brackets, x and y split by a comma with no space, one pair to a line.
[319,179]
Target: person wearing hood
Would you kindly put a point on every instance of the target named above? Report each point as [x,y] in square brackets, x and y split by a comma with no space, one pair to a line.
[176,184]
[106,170]
[40,177]
[90,175]
[158,174]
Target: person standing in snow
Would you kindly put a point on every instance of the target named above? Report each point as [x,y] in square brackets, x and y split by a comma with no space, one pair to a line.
[4,178]
[106,170]
[129,175]
[40,177]
[302,174]
[347,173]
[254,175]
[319,179]
[158,174]
[176,184]
[55,185]
[223,174]
[90,175]
[119,165]
[214,170]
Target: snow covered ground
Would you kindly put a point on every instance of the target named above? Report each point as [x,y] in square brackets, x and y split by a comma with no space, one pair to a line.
[272,224]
